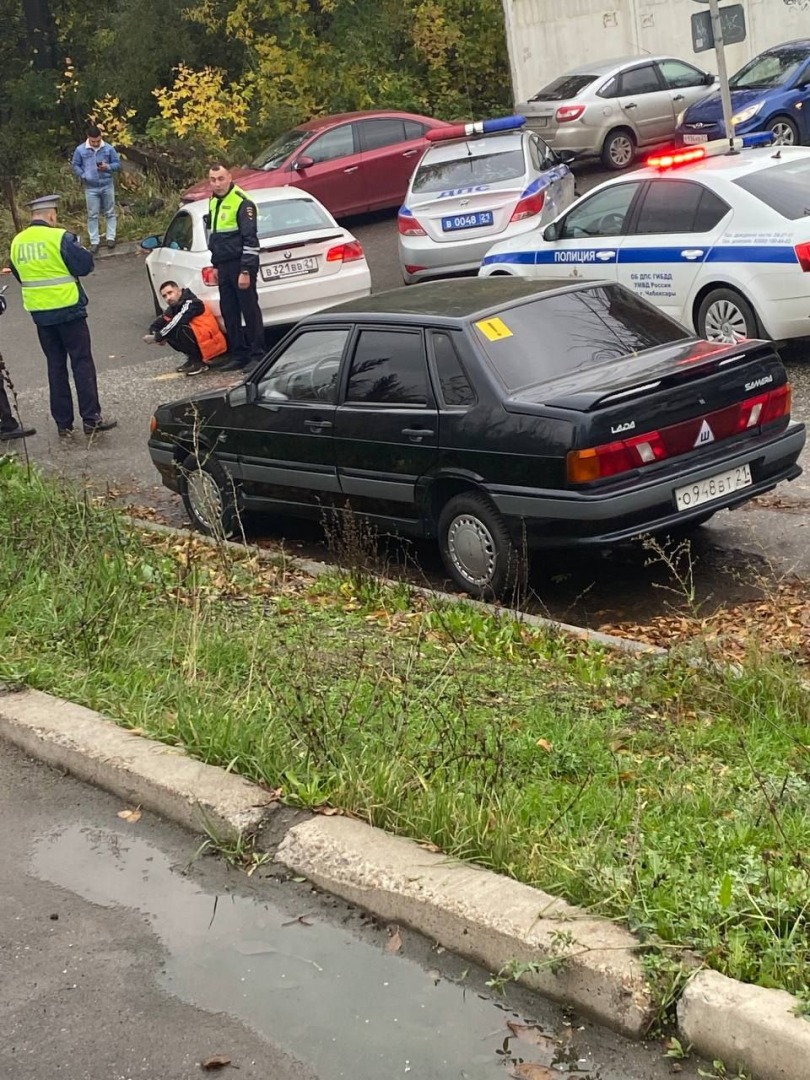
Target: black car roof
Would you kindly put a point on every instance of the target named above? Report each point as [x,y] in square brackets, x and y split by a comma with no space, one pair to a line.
[454,300]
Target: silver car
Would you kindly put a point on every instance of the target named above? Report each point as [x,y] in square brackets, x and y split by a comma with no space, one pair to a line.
[613,108]
[468,192]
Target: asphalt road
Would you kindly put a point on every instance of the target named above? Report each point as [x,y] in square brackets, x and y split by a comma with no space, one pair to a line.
[730,556]
[126,957]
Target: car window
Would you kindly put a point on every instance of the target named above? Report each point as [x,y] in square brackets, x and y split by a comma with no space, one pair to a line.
[674,206]
[769,69]
[678,75]
[567,332]
[542,155]
[784,187]
[453,383]
[640,80]
[337,143]
[603,214]
[466,171]
[610,89]
[180,234]
[280,149]
[389,368]
[414,130]
[290,215]
[386,131]
[307,370]
[564,87]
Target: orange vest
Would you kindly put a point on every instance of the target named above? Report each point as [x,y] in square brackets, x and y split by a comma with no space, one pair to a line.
[209,337]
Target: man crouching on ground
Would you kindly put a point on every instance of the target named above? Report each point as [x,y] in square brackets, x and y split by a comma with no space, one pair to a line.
[189,327]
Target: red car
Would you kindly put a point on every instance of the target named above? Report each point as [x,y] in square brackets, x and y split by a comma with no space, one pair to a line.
[352,162]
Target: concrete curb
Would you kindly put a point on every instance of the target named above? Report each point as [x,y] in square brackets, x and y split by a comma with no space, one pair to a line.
[125,247]
[318,569]
[745,1027]
[143,772]
[581,960]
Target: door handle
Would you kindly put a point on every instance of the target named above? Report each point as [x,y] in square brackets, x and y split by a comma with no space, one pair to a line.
[692,253]
[631,105]
[318,425]
[352,168]
[418,433]
[678,97]
[409,153]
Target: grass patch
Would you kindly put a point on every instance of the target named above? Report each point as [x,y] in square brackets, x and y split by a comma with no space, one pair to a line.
[667,795]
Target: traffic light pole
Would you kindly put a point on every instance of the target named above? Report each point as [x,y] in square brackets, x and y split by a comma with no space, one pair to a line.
[722,71]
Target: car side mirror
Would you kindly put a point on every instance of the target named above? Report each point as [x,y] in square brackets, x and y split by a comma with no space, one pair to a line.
[709,79]
[567,157]
[302,163]
[552,231]
[245,394]
[149,243]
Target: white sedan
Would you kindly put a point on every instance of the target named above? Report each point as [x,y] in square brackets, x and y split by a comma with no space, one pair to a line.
[719,241]
[307,261]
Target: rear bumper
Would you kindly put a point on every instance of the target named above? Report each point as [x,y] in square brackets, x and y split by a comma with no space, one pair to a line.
[555,518]
[458,256]
[582,140]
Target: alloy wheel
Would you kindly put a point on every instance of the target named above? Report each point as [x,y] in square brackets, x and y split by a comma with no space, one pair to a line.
[621,151]
[783,133]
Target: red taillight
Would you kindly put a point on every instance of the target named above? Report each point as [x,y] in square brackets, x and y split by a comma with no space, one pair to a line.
[409,226]
[803,255]
[624,455]
[414,269]
[529,206]
[676,157]
[566,113]
[209,276]
[345,252]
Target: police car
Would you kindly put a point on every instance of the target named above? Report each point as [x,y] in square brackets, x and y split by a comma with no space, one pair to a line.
[475,183]
[718,240]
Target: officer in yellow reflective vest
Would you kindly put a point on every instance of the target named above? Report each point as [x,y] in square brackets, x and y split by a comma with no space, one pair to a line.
[48,261]
[234,245]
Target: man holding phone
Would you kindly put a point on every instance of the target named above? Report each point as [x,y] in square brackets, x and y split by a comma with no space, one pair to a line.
[10,427]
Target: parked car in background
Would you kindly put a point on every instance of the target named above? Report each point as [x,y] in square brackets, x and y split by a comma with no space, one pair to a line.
[718,241]
[470,190]
[770,93]
[493,416]
[351,162]
[612,108]
[307,261]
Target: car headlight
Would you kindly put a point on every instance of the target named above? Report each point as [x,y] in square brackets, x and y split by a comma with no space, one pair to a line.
[746,114]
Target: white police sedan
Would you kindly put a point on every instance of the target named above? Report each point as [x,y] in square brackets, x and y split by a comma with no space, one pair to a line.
[476,183]
[719,241]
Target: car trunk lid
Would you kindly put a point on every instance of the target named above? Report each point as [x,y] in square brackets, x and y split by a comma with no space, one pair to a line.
[298,255]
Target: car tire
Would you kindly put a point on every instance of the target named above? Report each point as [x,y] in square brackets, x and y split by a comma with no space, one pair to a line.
[785,131]
[618,150]
[209,495]
[725,315]
[476,548]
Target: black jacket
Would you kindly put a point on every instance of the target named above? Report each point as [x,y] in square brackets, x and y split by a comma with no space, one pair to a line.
[188,307]
[242,244]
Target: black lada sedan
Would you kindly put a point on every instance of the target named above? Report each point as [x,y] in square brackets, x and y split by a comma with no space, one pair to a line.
[497,415]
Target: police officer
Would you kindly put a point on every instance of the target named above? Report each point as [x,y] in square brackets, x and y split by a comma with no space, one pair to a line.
[10,427]
[234,246]
[48,261]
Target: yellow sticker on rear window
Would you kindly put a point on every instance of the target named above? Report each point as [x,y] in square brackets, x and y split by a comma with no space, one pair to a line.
[494,329]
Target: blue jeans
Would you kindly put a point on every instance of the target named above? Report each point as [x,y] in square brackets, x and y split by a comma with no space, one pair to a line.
[100,200]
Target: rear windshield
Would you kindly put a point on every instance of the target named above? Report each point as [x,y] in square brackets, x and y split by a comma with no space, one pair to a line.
[570,332]
[290,215]
[467,171]
[563,87]
[784,187]
[770,69]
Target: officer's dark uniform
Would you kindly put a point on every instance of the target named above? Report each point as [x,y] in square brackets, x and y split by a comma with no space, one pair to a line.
[48,261]
[234,246]
[10,427]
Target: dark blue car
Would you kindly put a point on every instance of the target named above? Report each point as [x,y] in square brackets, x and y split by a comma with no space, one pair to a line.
[771,93]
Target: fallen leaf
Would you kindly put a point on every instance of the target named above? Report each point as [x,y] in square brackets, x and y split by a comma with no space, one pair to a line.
[327,811]
[530,1070]
[394,943]
[544,744]
[533,1035]
[217,1061]
[130,815]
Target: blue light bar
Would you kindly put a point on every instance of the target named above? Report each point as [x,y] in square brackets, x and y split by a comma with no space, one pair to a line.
[758,138]
[479,127]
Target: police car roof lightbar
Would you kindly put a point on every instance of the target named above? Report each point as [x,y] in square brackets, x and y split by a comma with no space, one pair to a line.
[669,159]
[480,127]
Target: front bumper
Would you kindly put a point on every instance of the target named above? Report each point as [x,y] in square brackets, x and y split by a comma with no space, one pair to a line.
[554,518]
[164,459]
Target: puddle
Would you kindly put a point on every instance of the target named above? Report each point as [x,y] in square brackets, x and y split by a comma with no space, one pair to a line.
[320,992]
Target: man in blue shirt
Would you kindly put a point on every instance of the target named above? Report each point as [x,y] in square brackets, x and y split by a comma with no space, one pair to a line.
[94,163]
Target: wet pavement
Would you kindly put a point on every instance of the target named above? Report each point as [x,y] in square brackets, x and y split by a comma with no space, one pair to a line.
[126,957]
